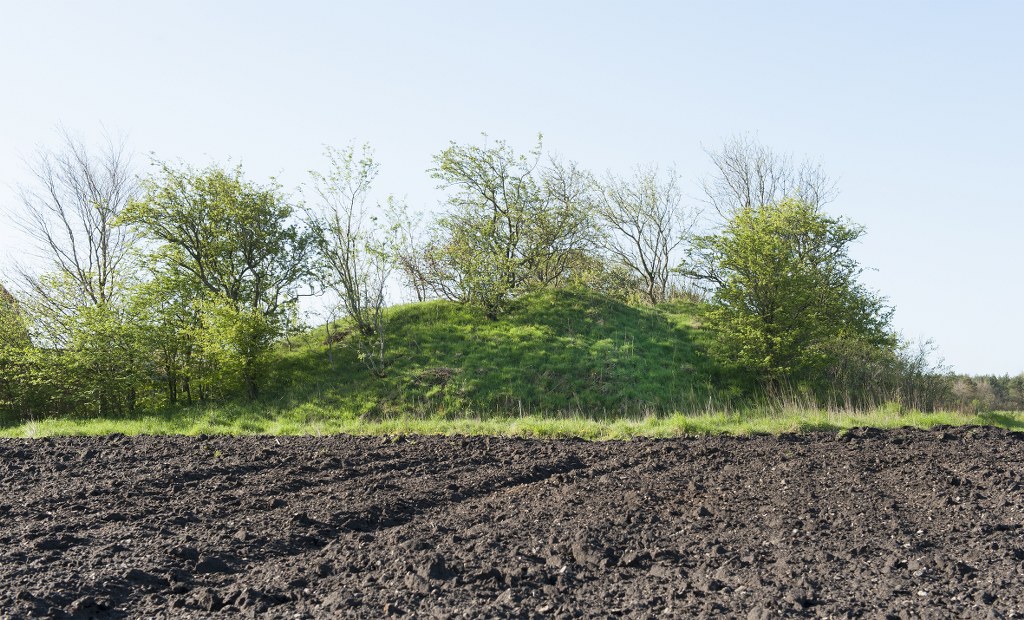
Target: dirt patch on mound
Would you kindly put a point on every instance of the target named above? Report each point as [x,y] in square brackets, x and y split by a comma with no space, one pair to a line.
[899,523]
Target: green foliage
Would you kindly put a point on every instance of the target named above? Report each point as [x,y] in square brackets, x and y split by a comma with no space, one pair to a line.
[232,237]
[14,340]
[232,346]
[787,302]
[551,352]
[510,226]
[167,305]
[226,244]
[31,383]
[13,330]
[107,359]
[563,282]
[58,358]
[350,253]
[987,393]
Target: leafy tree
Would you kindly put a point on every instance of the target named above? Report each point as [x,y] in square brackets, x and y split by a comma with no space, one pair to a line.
[344,232]
[91,361]
[14,340]
[33,380]
[107,356]
[408,249]
[13,331]
[786,291]
[563,236]
[511,224]
[168,306]
[231,345]
[234,242]
[82,346]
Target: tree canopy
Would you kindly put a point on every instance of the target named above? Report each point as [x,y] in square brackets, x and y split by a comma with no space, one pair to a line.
[233,237]
[511,223]
[179,287]
[786,293]
[232,243]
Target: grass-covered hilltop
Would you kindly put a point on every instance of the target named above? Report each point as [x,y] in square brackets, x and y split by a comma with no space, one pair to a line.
[551,302]
[552,353]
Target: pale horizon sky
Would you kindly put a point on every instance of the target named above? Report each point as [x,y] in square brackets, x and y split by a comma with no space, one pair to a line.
[914,107]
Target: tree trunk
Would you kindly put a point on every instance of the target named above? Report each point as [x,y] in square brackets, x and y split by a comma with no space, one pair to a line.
[251,387]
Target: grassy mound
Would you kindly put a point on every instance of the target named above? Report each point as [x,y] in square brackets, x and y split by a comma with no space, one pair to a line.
[559,364]
[554,352]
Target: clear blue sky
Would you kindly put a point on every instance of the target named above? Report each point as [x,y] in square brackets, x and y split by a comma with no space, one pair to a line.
[916,108]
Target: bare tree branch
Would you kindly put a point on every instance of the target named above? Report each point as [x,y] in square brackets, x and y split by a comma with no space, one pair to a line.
[70,213]
[645,224]
[749,174]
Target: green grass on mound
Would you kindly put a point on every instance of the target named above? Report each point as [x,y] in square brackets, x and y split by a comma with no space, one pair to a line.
[554,353]
[558,364]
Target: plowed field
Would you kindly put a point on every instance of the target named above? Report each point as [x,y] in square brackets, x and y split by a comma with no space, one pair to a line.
[868,524]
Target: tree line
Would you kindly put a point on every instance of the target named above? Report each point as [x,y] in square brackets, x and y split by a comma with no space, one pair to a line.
[174,287]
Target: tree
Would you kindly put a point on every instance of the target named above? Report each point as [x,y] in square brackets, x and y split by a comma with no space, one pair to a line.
[89,361]
[352,247]
[749,174]
[233,241]
[107,355]
[75,305]
[231,344]
[71,214]
[644,226]
[786,291]
[511,224]
[167,305]
[563,233]
[408,249]
[13,331]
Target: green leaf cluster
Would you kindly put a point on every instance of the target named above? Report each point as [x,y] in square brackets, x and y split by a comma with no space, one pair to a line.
[787,294]
[91,360]
[511,225]
[227,264]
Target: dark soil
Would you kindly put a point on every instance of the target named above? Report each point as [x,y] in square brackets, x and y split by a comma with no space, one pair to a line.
[874,524]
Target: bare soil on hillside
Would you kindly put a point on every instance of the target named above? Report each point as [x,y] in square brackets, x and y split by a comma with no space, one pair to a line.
[900,523]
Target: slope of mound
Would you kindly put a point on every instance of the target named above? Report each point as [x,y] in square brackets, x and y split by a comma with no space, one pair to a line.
[553,352]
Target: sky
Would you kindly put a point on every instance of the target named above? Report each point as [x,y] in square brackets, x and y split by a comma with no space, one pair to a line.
[915,108]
